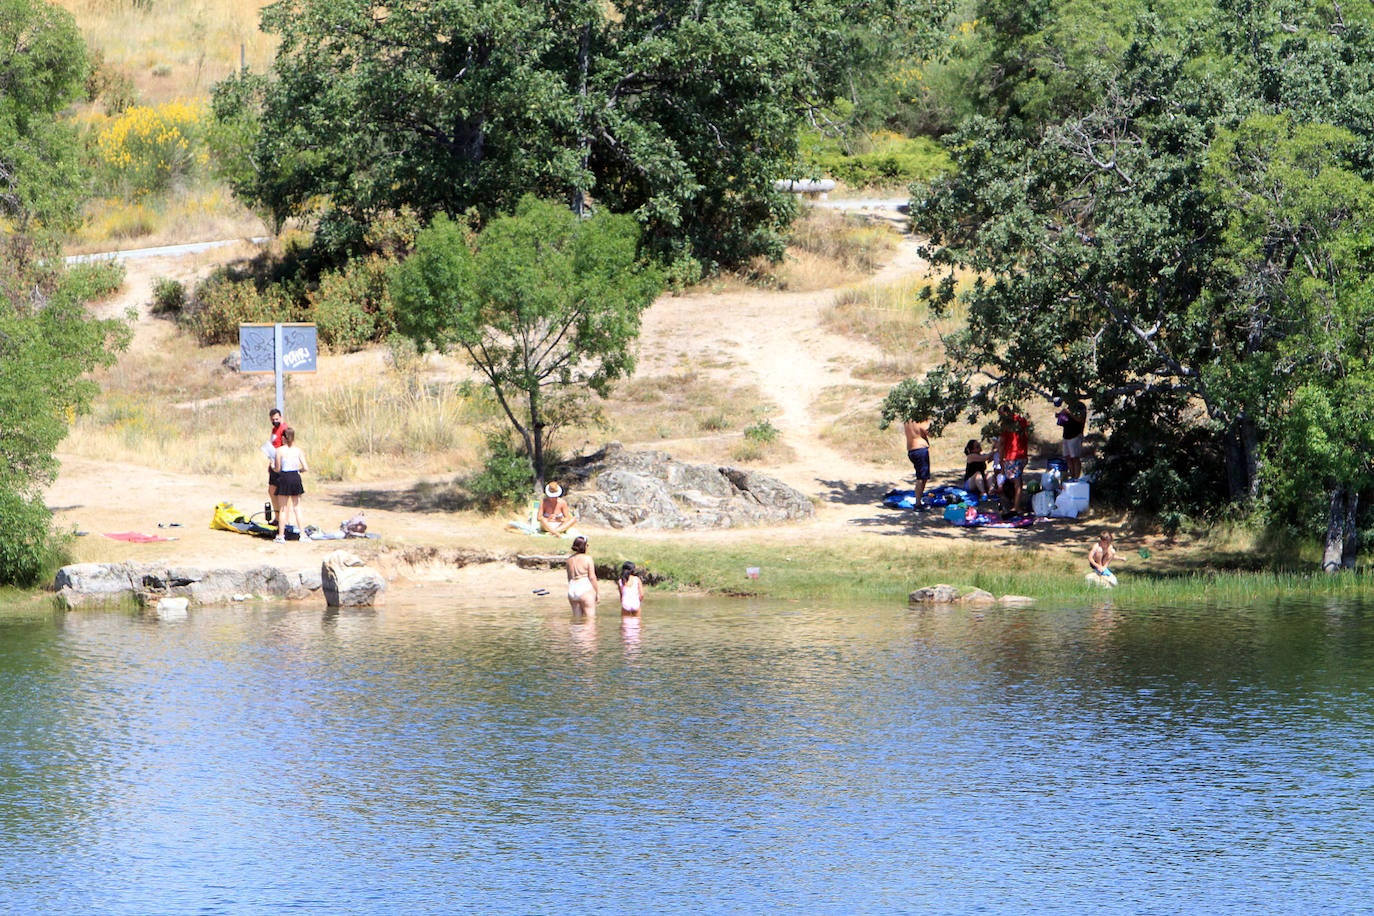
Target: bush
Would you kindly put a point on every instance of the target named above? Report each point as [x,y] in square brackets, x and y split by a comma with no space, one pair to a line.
[145,149]
[28,548]
[761,433]
[220,305]
[505,478]
[169,296]
[891,162]
[351,307]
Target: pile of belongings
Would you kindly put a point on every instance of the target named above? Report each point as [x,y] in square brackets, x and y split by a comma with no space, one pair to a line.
[227,518]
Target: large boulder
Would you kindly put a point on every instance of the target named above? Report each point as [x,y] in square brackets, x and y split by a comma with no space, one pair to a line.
[349,582]
[651,489]
[148,584]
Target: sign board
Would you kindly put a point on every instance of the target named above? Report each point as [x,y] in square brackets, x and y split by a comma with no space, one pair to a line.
[258,348]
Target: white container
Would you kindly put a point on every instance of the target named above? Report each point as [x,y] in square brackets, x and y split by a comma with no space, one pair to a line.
[1042,503]
[1064,509]
[1075,495]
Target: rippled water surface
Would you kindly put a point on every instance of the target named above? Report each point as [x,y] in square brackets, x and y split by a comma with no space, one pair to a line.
[720,757]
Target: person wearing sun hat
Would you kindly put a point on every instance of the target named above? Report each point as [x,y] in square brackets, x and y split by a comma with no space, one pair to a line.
[554,515]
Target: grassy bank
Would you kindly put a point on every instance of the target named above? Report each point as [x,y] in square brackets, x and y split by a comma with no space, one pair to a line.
[865,572]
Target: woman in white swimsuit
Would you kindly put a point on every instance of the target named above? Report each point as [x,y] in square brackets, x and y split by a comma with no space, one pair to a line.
[583,589]
[631,589]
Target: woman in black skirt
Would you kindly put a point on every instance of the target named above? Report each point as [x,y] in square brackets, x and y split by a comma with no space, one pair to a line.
[289,463]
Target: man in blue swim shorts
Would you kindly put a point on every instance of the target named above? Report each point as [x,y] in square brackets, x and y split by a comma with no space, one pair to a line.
[918,450]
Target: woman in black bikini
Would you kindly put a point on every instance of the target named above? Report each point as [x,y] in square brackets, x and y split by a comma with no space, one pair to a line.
[976,468]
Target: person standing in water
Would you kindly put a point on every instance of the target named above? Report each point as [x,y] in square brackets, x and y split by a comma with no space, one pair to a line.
[631,589]
[583,589]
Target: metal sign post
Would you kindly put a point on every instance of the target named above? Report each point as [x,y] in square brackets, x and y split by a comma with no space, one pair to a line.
[278,349]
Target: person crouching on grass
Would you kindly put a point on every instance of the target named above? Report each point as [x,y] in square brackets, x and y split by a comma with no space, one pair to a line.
[1101,557]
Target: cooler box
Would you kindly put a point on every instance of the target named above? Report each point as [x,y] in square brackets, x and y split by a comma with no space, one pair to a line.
[1074,494]
[955,513]
[1042,503]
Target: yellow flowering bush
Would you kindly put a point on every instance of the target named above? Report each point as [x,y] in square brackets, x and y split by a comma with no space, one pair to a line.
[148,147]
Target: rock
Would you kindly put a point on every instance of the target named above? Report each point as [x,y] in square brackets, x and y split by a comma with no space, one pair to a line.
[348,582]
[95,583]
[935,594]
[88,584]
[1093,579]
[172,608]
[977,596]
[652,490]
[1016,599]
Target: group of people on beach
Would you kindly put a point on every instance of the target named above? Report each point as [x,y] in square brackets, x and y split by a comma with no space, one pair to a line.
[1005,465]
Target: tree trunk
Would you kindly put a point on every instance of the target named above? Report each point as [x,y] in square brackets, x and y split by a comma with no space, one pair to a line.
[1241,443]
[537,451]
[1352,533]
[584,53]
[1336,518]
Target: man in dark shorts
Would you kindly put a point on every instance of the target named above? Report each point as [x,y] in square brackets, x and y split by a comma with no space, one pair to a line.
[278,427]
[918,450]
[1073,417]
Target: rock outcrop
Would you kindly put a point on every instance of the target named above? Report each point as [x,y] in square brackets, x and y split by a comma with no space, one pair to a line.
[620,489]
[948,594]
[349,582]
[87,584]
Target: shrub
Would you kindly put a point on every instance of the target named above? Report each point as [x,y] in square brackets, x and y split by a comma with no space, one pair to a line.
[352,307]
[26,549]
[169,296]
[890,162]
[761,433]
[145,148]
[505,478]
[220,305]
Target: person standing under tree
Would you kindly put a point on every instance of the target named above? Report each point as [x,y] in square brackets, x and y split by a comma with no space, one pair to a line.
[1073,417]
[918,450]
[1014,447]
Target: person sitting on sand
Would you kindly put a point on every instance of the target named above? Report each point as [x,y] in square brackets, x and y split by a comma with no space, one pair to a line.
[554,515]
[1101,557]
[976,468]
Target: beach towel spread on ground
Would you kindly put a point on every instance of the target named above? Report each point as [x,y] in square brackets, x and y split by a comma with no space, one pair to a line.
[960,508]
[227,518]
[136,537]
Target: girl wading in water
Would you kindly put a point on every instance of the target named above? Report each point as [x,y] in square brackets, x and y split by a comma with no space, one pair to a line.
[583,589]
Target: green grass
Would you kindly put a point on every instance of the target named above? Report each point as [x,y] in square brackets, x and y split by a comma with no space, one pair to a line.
[862,572]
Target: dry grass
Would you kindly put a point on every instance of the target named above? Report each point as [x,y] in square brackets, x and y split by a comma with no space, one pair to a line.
[895,319]
[205,213]
[650,410]
[175,50]
[377,426]
[827,250]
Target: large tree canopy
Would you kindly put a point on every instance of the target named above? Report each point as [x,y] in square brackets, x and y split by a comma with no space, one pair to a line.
[681,113]
[1181,238]
[42,65]
[48,342]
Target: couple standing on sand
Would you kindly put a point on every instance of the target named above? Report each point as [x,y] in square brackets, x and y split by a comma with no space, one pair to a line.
[285,465]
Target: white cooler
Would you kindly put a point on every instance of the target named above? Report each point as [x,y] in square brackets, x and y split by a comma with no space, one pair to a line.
[1073,499]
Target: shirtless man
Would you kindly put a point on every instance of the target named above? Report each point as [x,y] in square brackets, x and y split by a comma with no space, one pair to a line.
[918,450]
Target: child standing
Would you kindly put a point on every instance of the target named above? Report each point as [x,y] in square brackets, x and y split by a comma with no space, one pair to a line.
[631,589]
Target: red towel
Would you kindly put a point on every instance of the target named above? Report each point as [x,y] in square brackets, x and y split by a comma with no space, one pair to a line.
[135,536]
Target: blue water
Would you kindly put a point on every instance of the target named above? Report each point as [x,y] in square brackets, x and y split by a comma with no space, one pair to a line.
[723,757]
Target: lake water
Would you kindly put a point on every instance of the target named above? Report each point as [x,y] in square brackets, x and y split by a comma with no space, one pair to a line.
[720,757]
